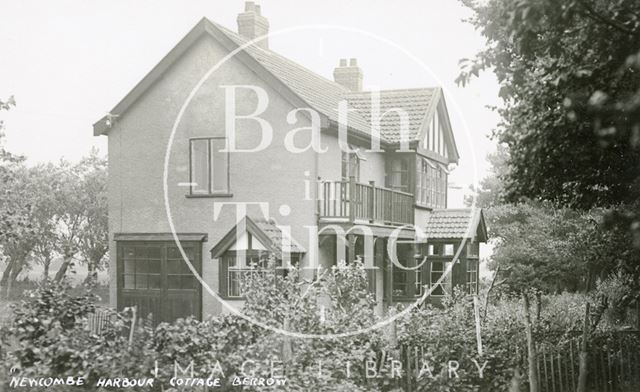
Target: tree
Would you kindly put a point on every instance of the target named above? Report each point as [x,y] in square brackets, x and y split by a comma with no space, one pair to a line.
[569,78]
[46,184]
[16,211]
[570,83]
[18,246]
[13,208]
[490,192]
[93,242]
[82,215]
[534,243]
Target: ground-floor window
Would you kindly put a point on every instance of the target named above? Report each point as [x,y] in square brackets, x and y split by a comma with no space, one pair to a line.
[239,265]
[437,269]
[472,276]
[236,266]
[154,276]
[408,283]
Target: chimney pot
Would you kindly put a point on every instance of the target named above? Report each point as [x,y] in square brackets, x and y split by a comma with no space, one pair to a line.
[349,76]
[251,24]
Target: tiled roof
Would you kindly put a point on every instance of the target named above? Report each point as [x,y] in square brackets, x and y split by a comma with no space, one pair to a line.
[415,102]
[272,231]
[317,92]
[320,93]
[456,223]
[324,95]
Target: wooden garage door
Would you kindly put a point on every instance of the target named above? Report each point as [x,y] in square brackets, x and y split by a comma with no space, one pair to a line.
[154,277]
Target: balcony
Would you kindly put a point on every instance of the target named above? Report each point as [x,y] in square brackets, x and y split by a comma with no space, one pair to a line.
[355,202]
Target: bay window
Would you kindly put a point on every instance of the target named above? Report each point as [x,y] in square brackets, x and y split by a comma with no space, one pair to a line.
[431,184]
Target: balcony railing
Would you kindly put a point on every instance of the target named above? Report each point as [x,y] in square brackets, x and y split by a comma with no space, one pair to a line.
[364,202]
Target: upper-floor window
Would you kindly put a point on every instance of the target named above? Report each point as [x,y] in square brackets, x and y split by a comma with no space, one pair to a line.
[431,184]
[209,166]
[398,175]
[351,164]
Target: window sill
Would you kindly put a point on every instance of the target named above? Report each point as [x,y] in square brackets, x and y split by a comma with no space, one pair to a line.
[227,298]
[404,299]
[208,195]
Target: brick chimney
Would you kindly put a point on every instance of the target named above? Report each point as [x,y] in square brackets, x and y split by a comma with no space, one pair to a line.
[349,76]
[251,24]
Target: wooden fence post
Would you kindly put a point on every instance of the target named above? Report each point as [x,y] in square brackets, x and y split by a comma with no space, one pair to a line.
[582,374]
[476,310]
[134,310]
[531,348]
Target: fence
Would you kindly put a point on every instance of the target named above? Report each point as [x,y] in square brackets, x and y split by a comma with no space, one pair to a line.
[98,320]
[613,364]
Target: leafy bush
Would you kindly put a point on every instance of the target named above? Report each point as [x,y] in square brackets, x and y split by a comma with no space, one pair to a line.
[50,336]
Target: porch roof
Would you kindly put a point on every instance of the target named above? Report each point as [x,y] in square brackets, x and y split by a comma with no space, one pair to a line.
[266,231]
[456,223]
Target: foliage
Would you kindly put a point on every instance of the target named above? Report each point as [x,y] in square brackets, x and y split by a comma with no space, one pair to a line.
[13,208]
[49,336]
[63,208]
[490,191]
[569,78]
[533,246]
[93,240]
[332,301]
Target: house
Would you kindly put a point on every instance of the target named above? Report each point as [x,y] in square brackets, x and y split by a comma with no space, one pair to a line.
[173,177]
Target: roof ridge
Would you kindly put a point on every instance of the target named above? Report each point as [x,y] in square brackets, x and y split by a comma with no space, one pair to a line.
[270,52]
[393,90]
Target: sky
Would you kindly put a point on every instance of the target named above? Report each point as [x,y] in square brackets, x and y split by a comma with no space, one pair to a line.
[68,62]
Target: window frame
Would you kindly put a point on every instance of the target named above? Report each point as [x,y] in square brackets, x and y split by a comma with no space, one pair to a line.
[403,172]
[346,164]
[240,270]
[226,268]
[124,295]
[431,184]
[210,191]
[412,279]
[432,282]
[473,249]
[472,276]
